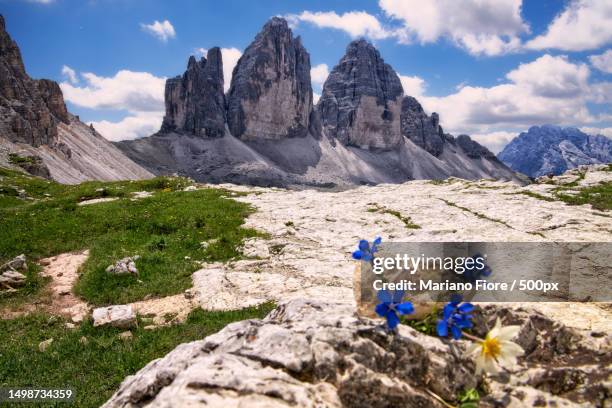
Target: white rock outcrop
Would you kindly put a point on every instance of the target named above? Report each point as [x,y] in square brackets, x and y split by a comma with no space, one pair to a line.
[121,316]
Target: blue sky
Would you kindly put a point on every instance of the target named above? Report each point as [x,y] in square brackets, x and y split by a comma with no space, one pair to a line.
[491,68]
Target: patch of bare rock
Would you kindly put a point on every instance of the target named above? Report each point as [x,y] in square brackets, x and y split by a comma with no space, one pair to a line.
[63,271]
[312,233]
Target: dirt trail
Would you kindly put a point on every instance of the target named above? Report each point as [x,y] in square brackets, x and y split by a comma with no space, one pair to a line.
[64,272]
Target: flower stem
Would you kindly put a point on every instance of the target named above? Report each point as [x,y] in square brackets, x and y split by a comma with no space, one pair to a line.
[439,398]
[474,338]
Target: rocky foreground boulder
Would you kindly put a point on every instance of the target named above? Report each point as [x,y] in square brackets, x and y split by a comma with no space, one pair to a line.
[271,96]
[313,354]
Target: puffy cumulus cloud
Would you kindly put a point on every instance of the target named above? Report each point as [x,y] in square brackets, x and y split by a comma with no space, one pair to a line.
[546,90]
[488,27]
[554,77]
[582,25]
[318,74]
[413,85]
[141,94]
[606,131]
[162,30]
[127,90]
[495,141]
[230,59]
[354,23]
[602,62]
[70,74]
[134,126]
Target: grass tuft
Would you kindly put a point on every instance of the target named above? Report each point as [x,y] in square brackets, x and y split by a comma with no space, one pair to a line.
[408,223]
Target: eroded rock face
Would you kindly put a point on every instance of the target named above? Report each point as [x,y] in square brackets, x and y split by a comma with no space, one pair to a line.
[361,100]
[313,354]
[29,109]
[54,98]
[425,131]
[306,354]
[271,96]
[195,102]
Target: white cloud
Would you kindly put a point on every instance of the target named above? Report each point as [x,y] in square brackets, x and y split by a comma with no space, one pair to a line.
[554,77]
[230,58]
[315,97]
[41,1]
[488,27]
[598,131]
[354,23]
[141,94]
[546,90]
[602,62]
[131,127]
[582,25]
[70,74]
[127,90]
[413,85]
[495,141]
[162,30]
[318,74]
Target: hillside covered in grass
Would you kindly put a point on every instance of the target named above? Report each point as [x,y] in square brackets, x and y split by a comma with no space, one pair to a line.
[172,227]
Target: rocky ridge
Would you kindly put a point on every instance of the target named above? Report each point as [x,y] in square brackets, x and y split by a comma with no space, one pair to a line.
[362,131]
[548,149]
[40,136]
[29,109]
[423,130]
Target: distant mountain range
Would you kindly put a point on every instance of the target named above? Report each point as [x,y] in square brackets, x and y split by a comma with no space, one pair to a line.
[548,149]
[266,130]
[40,135]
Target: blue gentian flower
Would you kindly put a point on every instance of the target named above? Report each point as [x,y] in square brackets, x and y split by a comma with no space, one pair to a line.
[391,306]
[455,317]
[473,274]
[366,251]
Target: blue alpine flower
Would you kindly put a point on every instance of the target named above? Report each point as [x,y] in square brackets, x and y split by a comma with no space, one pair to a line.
[366,251]
[474,273]
[455,317]
[391,306]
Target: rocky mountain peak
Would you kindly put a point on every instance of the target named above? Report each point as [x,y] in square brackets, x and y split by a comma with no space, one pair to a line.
[29,109]
[270,95]
[361,100]
[195,102]
[425,131]
[550,149]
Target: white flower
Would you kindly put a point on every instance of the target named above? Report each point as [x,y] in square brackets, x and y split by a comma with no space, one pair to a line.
[496,349]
